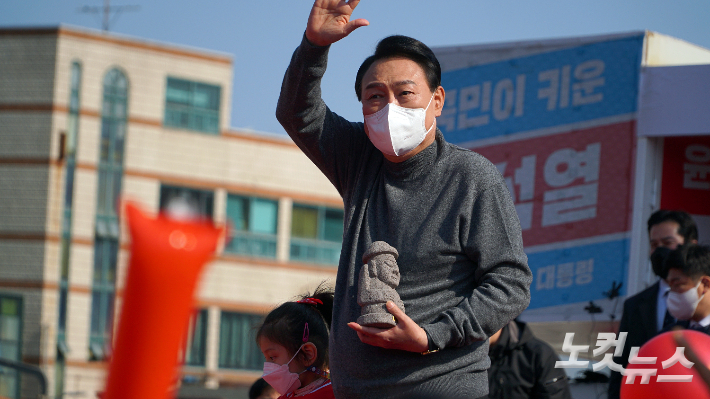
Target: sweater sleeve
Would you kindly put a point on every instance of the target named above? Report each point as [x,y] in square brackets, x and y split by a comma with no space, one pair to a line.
[330,141]
[502,290]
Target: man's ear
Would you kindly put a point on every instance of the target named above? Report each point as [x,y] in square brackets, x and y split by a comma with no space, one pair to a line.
[308,354]
[438,101]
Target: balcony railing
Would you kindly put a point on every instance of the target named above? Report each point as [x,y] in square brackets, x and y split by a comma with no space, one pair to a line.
[315,251]
[252,244]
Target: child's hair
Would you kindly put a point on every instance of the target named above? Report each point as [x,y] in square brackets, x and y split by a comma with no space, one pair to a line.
[285,325]
[258,388]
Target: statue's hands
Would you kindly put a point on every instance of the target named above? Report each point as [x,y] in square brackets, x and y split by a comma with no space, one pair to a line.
[406,335]
[330,21]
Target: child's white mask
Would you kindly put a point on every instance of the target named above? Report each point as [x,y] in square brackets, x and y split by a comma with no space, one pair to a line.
[682,305]
[396,130]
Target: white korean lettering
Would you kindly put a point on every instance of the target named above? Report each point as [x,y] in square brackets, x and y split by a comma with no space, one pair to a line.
[564,86]
[588,76]
[524,178]
[571,204]
[519,95]
[503,98]
[469,99]
[635,359]
[546,278]
[697,153]
[574,351]
[645,375]
[563,166]
[678,357]
[696,175]
[584,271]
[565,275]
[558,87]
[606,340]
[549,92]
[608,361]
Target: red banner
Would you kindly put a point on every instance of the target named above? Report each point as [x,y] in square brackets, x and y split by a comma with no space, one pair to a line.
[686,174]
[569,185]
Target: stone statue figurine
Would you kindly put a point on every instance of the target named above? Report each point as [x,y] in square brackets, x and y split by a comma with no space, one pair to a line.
[379,278]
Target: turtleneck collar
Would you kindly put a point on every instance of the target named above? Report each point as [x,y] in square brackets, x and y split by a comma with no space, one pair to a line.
[415,165]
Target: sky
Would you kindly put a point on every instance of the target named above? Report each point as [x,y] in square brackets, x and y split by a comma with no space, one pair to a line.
[261,35]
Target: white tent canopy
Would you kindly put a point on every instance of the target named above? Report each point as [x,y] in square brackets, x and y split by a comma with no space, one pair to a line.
[674,101]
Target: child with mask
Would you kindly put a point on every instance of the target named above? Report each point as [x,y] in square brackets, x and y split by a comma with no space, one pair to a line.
[294,341]
[688,276]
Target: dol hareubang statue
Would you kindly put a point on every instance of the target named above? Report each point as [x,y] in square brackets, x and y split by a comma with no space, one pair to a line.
[379,278]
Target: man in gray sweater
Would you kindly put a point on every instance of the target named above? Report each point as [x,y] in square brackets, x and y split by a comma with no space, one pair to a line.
[445,209]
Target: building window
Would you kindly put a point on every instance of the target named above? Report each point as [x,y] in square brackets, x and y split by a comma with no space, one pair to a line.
[103,292]
[197,340]
[10,344]
[114,117]
[196,202]
[192,105]
[316,234]
[253,222]
[70,151]
[237,342]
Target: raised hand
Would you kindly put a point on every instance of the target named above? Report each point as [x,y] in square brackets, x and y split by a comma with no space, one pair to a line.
[330,21]
[406,335]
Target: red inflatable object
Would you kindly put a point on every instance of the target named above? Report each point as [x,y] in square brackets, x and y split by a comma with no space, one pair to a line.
[167,257]
[663,347]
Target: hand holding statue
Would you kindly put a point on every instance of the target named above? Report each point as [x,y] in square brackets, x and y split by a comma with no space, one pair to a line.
[383,321]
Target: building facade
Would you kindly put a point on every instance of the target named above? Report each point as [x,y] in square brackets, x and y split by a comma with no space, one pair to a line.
[88,118]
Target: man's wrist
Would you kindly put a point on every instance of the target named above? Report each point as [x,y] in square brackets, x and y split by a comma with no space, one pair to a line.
[311,42]
[431,346]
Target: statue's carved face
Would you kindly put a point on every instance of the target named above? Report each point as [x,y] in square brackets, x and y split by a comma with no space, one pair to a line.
[386,268]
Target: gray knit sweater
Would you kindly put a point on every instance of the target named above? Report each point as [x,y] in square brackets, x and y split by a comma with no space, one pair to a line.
[448,213]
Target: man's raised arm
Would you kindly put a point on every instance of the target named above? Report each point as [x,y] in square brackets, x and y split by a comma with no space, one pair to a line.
[322,135]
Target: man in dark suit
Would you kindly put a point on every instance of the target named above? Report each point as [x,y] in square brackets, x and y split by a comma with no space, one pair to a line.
[689,278]
[645,313]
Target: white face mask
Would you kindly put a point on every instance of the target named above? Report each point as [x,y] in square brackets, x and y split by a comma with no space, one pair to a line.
[682,305]
[396,130]
[280,377]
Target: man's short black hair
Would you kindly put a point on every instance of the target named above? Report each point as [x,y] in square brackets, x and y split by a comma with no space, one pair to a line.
[691,259]
[404,47]
[686,225]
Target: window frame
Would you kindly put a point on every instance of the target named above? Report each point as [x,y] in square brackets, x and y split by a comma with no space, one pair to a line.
[245,241]
[317,250]
[192,113]
[252,359]
[20,327]
[196,346]
[205,205]
[114,127]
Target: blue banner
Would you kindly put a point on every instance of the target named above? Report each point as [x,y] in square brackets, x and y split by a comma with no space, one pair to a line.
[541,91]
[577,274]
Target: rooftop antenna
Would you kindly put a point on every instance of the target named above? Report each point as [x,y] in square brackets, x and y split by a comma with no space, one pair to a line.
[106,10]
